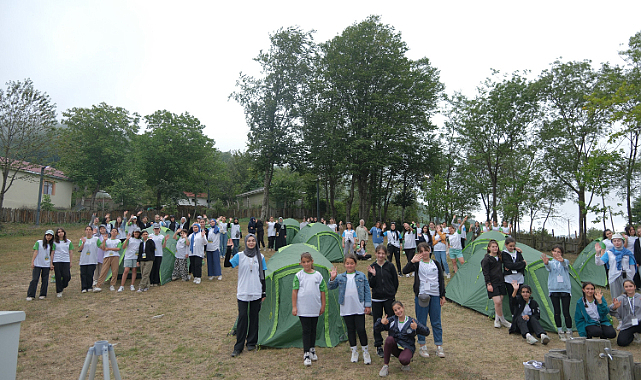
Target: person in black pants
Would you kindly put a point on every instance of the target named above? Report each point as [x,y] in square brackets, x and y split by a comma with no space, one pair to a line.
[627,309]
[383,280]
[260,233]
[526,315]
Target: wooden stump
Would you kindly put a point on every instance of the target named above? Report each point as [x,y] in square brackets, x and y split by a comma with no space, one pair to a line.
[573,370]
[531,373]
[549,374]
[619,367]
[558,351]
[575,349]
[596,366]
[555,361]
[637,371]
[629,355]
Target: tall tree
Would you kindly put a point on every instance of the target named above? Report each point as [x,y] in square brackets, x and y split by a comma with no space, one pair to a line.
[95,145]
[571,133]
[27,119]
[272,103]
[177,155]
[379,99]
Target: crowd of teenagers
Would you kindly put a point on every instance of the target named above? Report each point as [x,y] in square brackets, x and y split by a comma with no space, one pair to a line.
[371,292]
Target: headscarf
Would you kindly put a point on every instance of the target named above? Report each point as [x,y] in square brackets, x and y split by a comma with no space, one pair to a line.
[192,236]
[255,252]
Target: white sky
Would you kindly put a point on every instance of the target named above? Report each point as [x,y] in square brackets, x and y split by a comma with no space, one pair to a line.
[186,56]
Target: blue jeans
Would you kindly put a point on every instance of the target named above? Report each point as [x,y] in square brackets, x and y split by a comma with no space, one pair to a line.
[434,311]
[236,244]
[213,263]
[441,257]
[223,242]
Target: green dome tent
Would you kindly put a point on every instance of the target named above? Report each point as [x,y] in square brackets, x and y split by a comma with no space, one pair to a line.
[323,239]
[587,268]
[292,226]
[168,256]
[467,286]
[480,243]
[278,327]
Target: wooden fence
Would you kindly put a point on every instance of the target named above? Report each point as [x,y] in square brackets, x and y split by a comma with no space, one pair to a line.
[544,243]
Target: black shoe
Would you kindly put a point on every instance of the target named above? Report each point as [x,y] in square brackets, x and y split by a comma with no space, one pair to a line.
[251,348]
[379,352]
[235,353]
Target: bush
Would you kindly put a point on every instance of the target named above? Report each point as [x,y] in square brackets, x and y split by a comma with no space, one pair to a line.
[46,204]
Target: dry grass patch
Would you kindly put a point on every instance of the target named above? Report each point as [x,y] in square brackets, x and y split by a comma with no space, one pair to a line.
[190,340]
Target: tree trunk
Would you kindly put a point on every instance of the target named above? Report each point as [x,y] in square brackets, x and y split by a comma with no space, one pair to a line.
[582,218]
[93,197]
[266,185]
[350,200]
[363,192]
[332,196]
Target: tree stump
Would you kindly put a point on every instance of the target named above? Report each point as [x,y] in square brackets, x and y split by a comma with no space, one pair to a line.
[573,370]
[559,351]
[629,355]
[555,361]
[575,349]
[637,371]
[596,366]
[549,374]
[531,373]
[619,367]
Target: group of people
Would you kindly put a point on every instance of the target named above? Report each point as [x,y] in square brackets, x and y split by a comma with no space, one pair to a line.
[371,292]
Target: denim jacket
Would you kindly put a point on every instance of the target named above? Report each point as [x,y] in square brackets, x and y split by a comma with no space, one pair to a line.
[556,269]
[362,285]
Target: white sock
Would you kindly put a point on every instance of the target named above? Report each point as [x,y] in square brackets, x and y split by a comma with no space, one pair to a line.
[365,348]
[354,348]
[497,318]
[560,330]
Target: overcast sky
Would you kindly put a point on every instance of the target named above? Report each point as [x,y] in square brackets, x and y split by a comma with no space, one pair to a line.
[186,56]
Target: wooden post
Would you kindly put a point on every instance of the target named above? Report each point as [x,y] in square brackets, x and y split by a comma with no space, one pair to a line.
[619,367]
[595,365]
[575,349]
[629,355]
[555,361]
[637,371]
[559,351]
[531,373]
[550,374]
[573,369]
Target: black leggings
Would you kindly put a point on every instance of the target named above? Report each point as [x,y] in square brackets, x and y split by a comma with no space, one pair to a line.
[561,300]
[309,332]
[392,250]
[377,312]
[603,332]
[409,253]
[261,239]
[154,277]
[626,336]
[356,324]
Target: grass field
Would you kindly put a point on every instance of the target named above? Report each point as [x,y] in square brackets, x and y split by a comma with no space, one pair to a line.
[190,340]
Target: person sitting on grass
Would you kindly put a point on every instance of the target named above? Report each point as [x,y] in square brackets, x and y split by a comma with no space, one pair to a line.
[361,253]
[591,314]
[525,320]
[401,337]
[627,309]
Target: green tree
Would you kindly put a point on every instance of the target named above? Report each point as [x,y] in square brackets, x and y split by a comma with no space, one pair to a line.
[377,101]
[272,103]
[95,145]
[176,155]
[571,134]
[27,119]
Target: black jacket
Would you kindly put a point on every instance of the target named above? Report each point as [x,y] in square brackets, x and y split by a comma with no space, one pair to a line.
[403,338]
[509,265]
[519,305]
[251,227]
[150,250]
[385,284]
[259,226]
[413,267]
[492,270]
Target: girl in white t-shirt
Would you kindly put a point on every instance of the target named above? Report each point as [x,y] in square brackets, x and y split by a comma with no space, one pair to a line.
[308,303]
[355,301]
[271,233]
[182,255]
[131,247]
[88,246]
[349,237]
[62,248]
[41,265]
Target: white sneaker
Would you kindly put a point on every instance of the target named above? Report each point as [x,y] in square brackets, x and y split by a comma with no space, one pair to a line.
[505,323]
[497,323]
[41,297]
[354,356]
[568,335]
[562,336]
[139,290]
[422,351]
[97,290]
[198,280]
[530,339]
[384,371]
[84,291]
[366,358]
[59,295]
[412,274]
[189,277]
[29,298]
[448,275]
[439,352]
[637,338]
[307,360]
[312,354]
[94,283]
[120,289]
[220,278]
[211,278]
[195,280]
[132,288]
[406,368]
[407,275]
[545,339]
